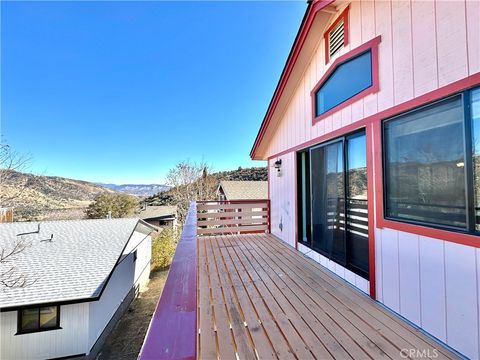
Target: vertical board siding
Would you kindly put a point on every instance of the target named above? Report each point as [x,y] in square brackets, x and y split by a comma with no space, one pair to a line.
[436,283]
[451,41]
[473,36]
[421,50]
[424,45]
[282,193]
[390,270]
[432,292]
[409,270]
[383,22]
[461,299]
[402,51]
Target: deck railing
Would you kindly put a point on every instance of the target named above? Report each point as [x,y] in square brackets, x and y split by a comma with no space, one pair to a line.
[172,332]
[233,217]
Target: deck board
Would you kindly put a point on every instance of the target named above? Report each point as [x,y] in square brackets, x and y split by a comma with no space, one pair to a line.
[259,298]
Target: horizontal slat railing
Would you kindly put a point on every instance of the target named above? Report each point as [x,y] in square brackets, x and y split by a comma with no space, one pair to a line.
[233,217]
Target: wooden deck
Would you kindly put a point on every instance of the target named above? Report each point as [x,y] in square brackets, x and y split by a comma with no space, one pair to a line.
[259,298]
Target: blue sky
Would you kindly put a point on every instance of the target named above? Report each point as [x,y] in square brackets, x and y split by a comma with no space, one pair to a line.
[122,91]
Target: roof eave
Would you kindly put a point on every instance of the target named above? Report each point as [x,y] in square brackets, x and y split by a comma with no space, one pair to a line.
[314,6]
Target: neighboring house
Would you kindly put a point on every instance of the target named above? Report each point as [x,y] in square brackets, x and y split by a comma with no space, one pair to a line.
[373,127]
[85,273]
[159,216]
[242,190]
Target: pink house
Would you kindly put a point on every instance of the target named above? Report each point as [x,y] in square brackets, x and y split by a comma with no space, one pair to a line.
[369,246]
[376,122]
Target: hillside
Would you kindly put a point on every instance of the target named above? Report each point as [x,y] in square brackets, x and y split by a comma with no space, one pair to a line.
[47,197]
[140,190]
[241,174]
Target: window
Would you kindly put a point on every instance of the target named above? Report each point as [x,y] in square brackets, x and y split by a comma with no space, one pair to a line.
[38,319]
[303,194]
[332,207]
[347,80]
[429,177]
[336,36]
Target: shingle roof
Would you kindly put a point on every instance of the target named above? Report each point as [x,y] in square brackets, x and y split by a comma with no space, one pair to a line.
[73,266]
[152,212]
[245,190]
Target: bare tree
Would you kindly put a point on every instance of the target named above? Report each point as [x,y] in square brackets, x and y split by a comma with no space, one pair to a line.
[10,275]
[191,181]
[10,163]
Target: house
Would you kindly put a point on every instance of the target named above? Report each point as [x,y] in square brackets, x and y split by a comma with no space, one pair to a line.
[242,190]
[82,275]
[159,216]
[375,123]
[370,243]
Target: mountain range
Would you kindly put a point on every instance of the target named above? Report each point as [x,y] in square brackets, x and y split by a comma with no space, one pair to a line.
[140,190]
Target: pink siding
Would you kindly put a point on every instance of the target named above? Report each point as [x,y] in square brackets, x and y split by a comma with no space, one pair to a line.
[425,45]
[420,52]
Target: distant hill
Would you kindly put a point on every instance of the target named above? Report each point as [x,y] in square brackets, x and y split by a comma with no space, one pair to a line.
[36,197]
[141,190]
[241,174]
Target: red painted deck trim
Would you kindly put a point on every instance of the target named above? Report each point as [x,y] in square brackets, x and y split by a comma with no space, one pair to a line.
[172,333]
[295,201]
[269,199]
[312,10]
[369,45]
[373,126]
[249,201]
[344,16]
[371,211]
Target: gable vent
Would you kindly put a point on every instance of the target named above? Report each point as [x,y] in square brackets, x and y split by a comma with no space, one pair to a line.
[336,38]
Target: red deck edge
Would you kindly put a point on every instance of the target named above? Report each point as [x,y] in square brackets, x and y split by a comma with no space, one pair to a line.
[172,333]
[312,10]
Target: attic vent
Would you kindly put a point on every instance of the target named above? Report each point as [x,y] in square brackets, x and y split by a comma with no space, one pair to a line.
[336,38]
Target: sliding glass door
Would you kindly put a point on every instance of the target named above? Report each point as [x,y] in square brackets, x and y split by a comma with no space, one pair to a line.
[333,218]
[357,204]
[328,200]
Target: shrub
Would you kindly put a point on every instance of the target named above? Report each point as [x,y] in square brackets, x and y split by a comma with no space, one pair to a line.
[118,205]
[163,248]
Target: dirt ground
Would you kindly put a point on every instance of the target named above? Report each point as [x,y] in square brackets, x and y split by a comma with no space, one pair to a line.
[126,339]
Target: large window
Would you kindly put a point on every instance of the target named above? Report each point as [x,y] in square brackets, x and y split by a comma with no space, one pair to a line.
[38,319]
[429,176]
[347,80]
[332,206]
